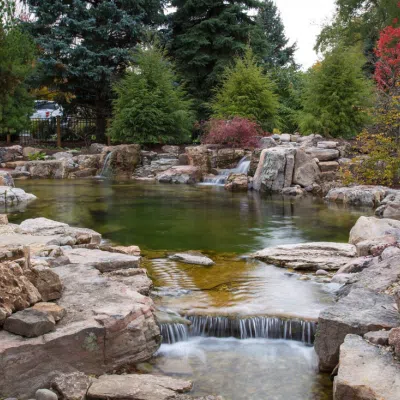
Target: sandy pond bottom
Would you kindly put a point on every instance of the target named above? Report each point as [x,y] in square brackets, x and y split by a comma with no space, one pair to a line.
[251,369]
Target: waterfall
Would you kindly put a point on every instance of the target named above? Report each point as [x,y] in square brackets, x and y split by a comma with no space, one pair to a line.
[241,328]
[218,180]
[104,170]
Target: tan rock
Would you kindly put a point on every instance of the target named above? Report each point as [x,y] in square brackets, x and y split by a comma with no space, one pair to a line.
[46,281]
[199,157]
[237,183]
[394,340]
[72,386]
[52,309]
[129,250]
[3,219]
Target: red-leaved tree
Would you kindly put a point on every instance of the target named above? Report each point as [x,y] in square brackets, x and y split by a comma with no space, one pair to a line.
[238,132]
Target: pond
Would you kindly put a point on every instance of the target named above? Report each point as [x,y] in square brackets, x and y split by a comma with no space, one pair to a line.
[235,292]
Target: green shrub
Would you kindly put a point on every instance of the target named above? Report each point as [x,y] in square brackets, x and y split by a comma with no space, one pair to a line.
[39,156]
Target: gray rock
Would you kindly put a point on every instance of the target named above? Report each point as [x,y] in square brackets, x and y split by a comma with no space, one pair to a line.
[45,394]
[371,228]
[295,191]
[267,143]
[104,261]
[29,323]
[329,166]
[275,169]
[394,340]
[285,137]
[306,170]
[312,256]
[321,272]
[369,196]
[366,372]
[237,182]
[134,387]
[72,386]
[185,174]
[6,179]
[192,258]
[389,252]
[323,154]
[327,145]
[378,337]
[10,196]
[341,279]
[360,312]
[355,265]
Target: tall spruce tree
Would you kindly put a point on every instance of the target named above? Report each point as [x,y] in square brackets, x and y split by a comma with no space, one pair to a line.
[206,36]
[269,40]
[87,44]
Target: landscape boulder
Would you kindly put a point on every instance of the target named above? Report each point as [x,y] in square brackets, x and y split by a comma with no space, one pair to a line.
[309,256]
[186,174]
[29,323]
[366,372]
[51,169]
[306,170]
[135,387]
[14,197]
[46,281]
[368,196]
[10,153]
[380,338]
[275,169]
[228,158]
[198,156]
[192,258]
[71,386]
[267,143]
[323,154]
[360,312]
[237,183]
[124,159]
[6,179]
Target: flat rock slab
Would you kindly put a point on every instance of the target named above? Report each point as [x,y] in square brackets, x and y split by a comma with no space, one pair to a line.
[366,372]
[73,386]
[192,258]
[312,256]
[104,261]
[30,323]
[368,196]
[137,387]
[358,313]
[323,154]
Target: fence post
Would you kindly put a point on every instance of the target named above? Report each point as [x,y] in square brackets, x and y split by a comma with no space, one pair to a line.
[58,132]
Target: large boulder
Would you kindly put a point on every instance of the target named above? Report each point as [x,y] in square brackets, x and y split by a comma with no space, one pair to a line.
[237,183]
[228,158]
[366,372]
[362,311]
[135,387]
[10,153]
[275,169]
[306,170]
[124,159]
[311,256]
[16,290]
[267,143]
[390,206]
[199,157]
[30,323]
[108,325]
[371,228]
[369,196]
[14,197]
[6,179]
[187,174]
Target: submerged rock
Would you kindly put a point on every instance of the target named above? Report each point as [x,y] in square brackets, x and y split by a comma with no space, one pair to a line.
[360,312]
[133,387]
[366,372]
[313,256]
[192,258]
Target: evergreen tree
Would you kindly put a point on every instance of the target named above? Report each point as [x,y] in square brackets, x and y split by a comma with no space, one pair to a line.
[17,54]
[87,44]
[150,107]
[246,92]
[206,36]
[269,40]
[336,95]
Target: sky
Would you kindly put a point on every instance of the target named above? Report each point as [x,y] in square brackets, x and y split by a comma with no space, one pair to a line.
[303,20]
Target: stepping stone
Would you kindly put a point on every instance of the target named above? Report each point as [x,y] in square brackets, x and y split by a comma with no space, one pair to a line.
[192,258]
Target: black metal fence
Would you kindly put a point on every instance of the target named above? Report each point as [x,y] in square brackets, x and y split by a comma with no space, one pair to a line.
[55,131]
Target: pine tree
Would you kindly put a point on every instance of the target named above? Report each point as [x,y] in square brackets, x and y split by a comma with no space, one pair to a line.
[86,45]
[150,107]
[246,92]
[269,40]
[336,95]
[206,36]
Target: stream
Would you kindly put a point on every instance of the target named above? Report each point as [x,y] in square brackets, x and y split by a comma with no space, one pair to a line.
[253,324]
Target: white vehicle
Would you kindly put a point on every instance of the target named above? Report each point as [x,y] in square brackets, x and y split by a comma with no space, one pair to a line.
[47,109]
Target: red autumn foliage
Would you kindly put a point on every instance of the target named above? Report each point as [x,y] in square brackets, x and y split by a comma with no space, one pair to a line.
[387,70]
[238,132]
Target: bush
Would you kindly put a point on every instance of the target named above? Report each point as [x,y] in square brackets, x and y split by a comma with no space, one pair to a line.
[38,156]
[379,166]
[238,132]
[150,106]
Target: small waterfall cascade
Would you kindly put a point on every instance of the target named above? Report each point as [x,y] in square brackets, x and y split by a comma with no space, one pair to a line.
[241,328]
[218,180]
[105,170]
